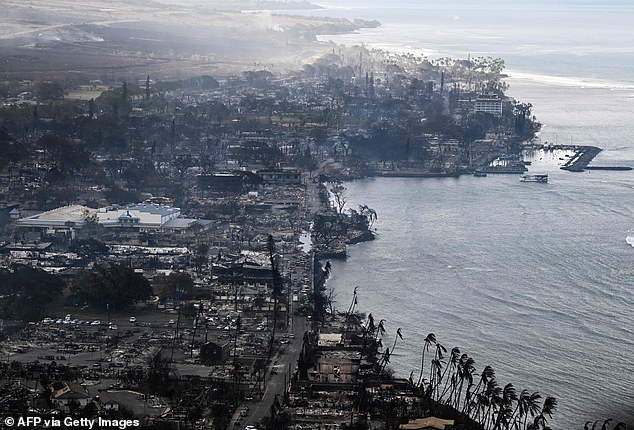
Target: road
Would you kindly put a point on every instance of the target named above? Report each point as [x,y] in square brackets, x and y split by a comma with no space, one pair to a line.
[277,374]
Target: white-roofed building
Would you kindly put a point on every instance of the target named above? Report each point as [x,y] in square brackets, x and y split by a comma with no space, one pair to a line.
[139,215]
[142,216]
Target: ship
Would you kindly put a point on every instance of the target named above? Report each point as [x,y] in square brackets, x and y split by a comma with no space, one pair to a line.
[536,177]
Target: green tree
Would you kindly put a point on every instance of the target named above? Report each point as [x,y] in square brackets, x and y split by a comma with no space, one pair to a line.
[48,90]
[89,248]
[70,156]
[201,256]
[117,286]
[27,292]
[179,285]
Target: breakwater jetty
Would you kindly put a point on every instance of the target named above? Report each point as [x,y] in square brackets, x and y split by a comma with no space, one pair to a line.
[583,156]
[618,168]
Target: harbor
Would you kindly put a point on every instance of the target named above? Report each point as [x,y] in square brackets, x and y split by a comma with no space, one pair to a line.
[583,156]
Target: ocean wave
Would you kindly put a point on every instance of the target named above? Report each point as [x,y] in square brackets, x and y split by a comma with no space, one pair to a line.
[479,269]
[570,81]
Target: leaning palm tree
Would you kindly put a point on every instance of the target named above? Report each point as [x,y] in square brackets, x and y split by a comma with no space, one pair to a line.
[472,400]
[369,325]
[368,330]
[520,408]
[350,311]
[504,417]
[505,413]
[429,341]
[435,377]
[549,406]
[480,404]
[399,334]
[532,406]
[388,353]
[494,392]
[450,383]
[466,368]
[380,330]
[385,360]
[277,285]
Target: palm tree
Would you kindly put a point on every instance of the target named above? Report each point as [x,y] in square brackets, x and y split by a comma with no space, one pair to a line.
[481,403]
[398,334]
[435,375]
[388,353]
[504,417]
[437,363]
[505,413]
[520,408]
[450,383]
[385,359]
[549,406]
[487,374]
[350,311]
[369,325]
[466,368]
[494,393]
[368,330]
[277,285]
[429,340]
[532,406]
[380,330]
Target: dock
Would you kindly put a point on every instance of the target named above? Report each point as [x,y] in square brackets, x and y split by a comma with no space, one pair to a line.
[583,156]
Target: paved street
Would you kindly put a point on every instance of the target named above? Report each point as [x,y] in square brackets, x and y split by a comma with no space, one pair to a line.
[277,373]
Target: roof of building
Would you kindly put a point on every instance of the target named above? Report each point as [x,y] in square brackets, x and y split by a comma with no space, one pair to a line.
[128,215]
[179,223]
[153,209]
[329,339]
[142,214]
[107,397]
[134,401]
[58,217]
[68,390]
[427,423]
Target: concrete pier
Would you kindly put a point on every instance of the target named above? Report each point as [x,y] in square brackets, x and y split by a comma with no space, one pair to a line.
[583,156]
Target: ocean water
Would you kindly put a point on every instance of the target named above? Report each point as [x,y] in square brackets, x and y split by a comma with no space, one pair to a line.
[535,279]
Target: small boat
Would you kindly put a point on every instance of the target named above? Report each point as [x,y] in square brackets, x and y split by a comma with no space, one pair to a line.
[479,174]
[536,177]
